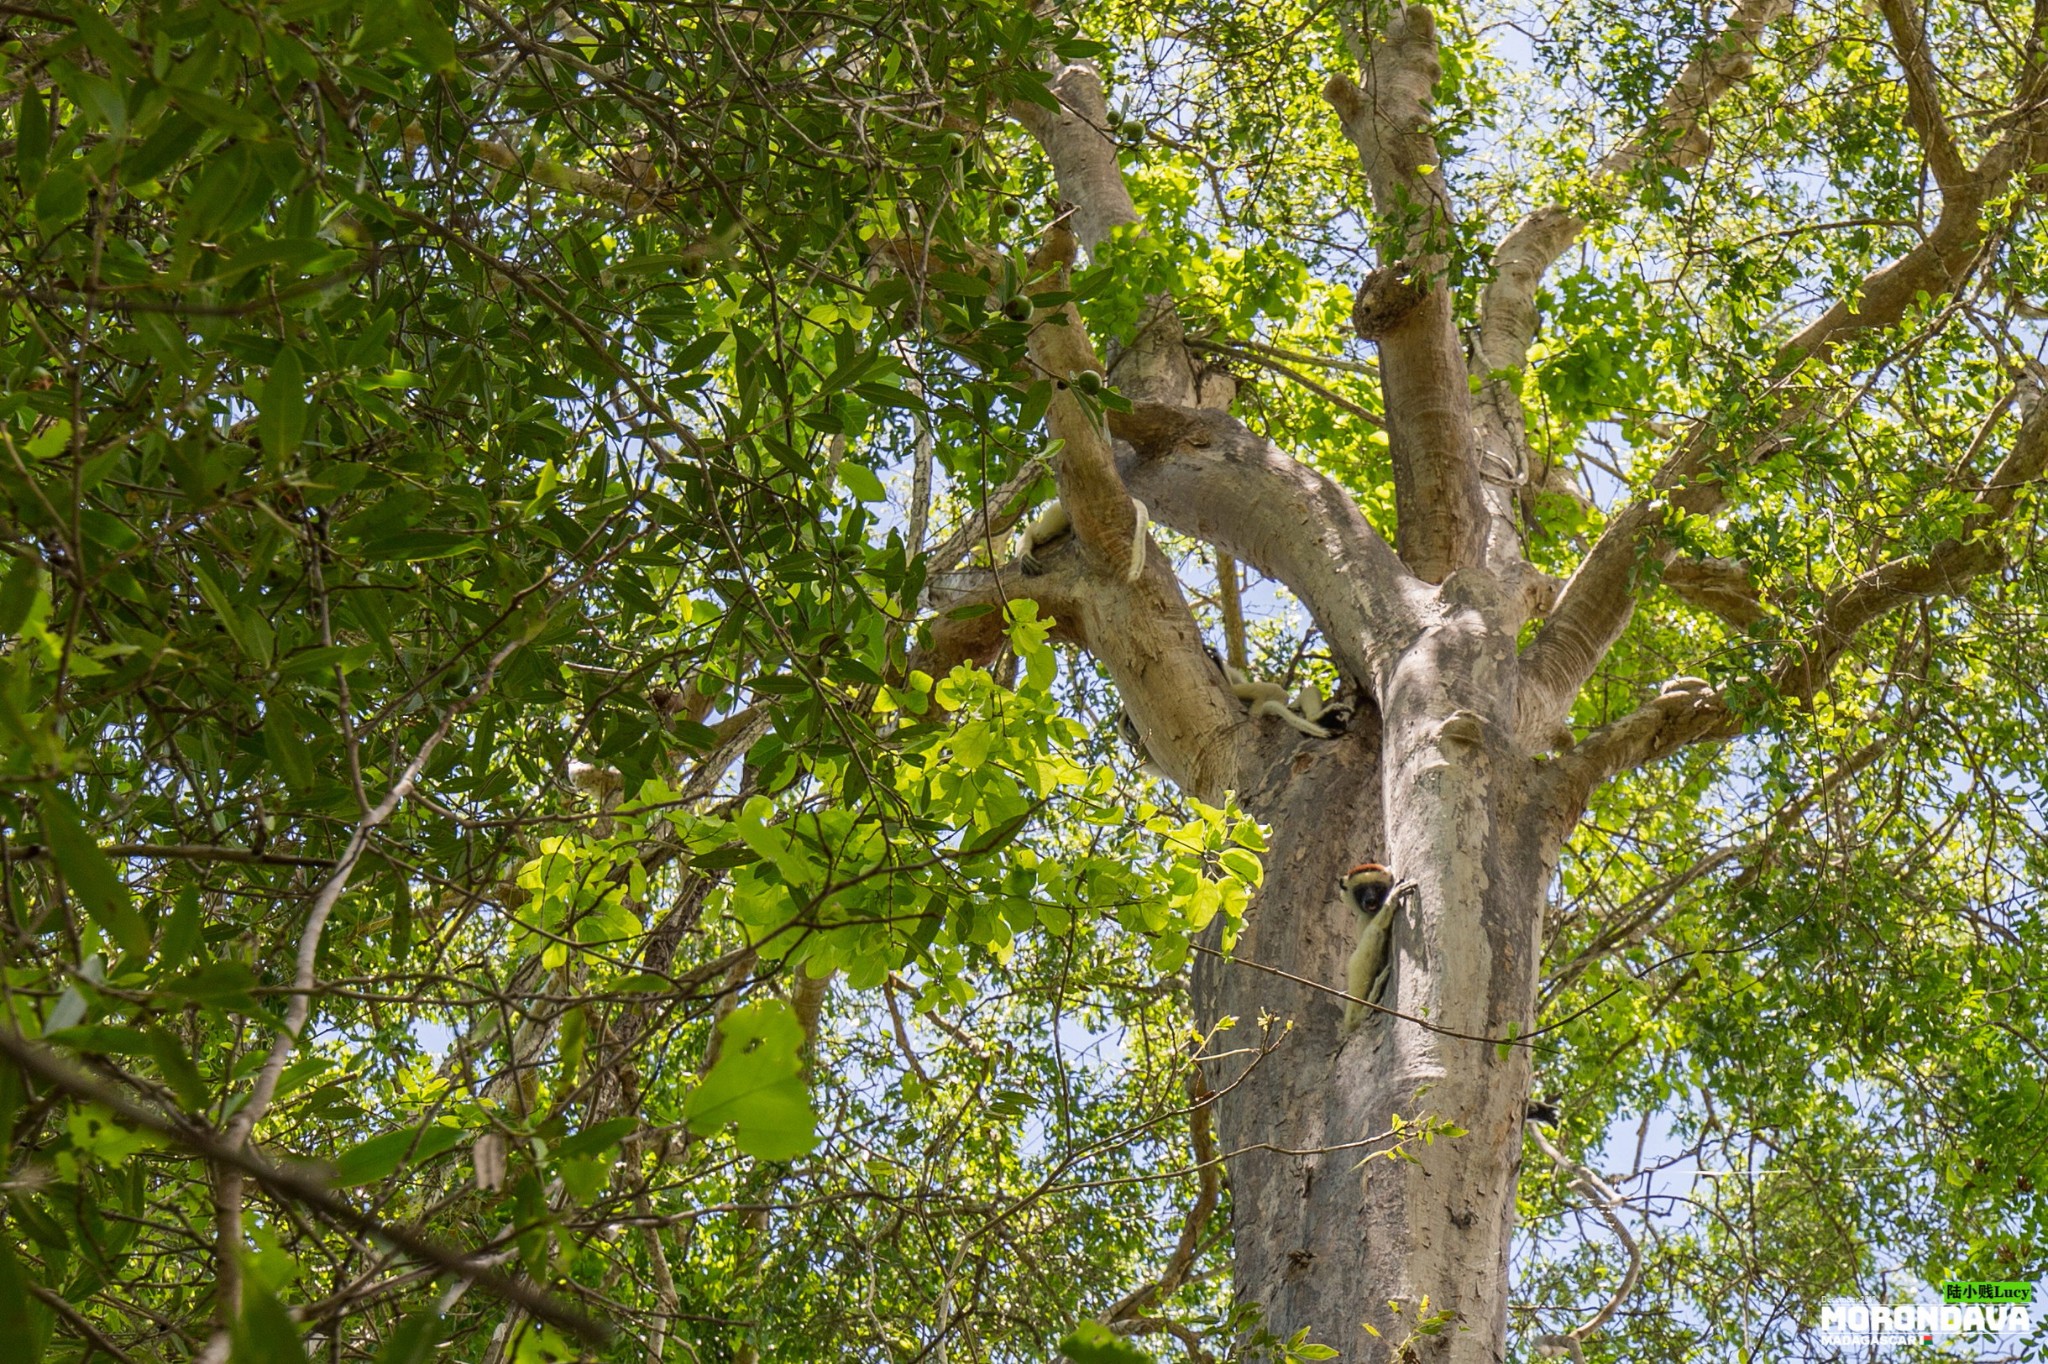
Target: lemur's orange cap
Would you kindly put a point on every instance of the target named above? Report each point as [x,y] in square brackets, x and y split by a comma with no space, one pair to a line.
[1367,866]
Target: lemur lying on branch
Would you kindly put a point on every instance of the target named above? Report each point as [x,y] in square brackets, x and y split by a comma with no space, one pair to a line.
[1307,712]
[1054,522]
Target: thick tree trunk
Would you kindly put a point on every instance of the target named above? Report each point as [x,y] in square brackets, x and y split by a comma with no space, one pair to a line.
[1328,1236]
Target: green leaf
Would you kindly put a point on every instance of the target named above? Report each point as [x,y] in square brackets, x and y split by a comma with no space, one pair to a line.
[419,546]
[250,634]
[45,1230]
[181,933]
[323,662]
[287,734]
[31,135]
[861,481]
[177,1068]
[89,874]
[175,136]
[16,1322]
[1093,1343]
[93,1130]
[18,592]
[60,199]
[413,1341]
[756,1086]
[382,1156]
[594,1139]
[641,983]
[50,442]
[281,409]
[433,43]
[217,982]
[265,1332]
[108,1038]
[585,1178]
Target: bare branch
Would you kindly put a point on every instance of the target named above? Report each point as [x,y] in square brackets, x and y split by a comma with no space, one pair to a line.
[1606,1200]
[1207,475]
[1388,121]
[1590,615]
[1923,99]
[1721,586]
[1264,360]
[1674,137]
[1938,266]
[1405,306]
[1082,148]
[1078,140]
[1209,1189]
[1249,350]
[176,852]
[228,1184]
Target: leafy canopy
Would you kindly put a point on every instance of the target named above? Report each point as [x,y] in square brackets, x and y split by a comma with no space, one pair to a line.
[516,393]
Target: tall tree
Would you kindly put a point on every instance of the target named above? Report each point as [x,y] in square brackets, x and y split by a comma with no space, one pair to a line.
[467,722]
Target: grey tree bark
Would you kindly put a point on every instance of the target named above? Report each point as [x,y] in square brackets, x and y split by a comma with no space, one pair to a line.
[1461,771]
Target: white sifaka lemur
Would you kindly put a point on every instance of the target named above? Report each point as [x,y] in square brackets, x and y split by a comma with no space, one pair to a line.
[1369,888]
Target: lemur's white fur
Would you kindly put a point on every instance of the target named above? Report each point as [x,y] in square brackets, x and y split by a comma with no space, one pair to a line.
[1303,712]
[1050,524]
[1370,891]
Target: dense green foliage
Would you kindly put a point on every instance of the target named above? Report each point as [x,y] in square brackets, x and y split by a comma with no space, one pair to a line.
[505,407]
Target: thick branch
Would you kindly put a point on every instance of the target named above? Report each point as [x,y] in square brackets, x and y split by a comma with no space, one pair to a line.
[1104,519]
[1142,633]
[1678,716]
[1589,616]
[1721,586]
[1207,475]
[1405,306]
[1686,712]
[1939,265]
[1674,137]
[1082,148]
[1923,98]
[1388,121]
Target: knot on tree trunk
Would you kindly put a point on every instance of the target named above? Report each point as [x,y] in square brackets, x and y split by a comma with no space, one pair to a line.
[1386,298]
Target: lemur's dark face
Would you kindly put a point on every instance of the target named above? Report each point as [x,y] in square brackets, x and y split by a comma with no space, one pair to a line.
[1368,881]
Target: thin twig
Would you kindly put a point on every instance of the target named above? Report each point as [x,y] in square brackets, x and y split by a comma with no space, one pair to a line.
[1605,1201]
[175,852]
[1372,419]
[41,1062]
